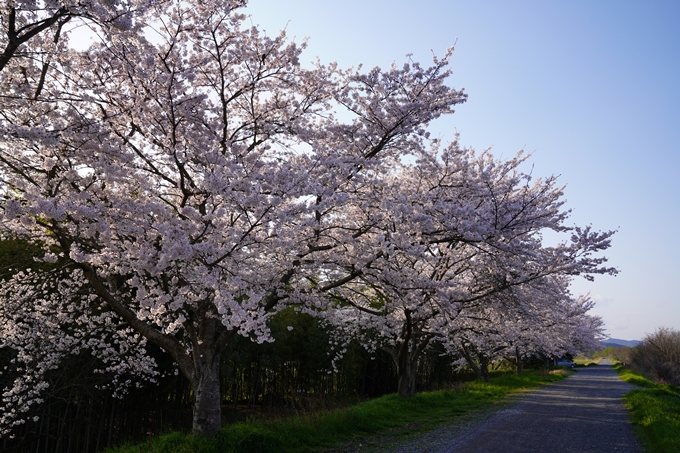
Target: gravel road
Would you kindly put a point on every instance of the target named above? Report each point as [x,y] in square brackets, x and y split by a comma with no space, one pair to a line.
[584,413]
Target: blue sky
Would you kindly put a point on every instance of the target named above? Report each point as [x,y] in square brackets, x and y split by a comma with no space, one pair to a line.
[591,88]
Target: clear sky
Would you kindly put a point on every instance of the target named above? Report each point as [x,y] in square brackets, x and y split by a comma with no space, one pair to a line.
[591,88]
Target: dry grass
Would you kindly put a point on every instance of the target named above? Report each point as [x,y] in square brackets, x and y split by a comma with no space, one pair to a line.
[585,361]
[555,372]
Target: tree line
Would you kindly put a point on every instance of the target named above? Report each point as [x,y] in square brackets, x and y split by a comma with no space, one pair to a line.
[292,375]
[189,184]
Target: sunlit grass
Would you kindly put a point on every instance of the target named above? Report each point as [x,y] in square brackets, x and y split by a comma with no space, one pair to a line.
[655,410]
[585,361]
[420,413]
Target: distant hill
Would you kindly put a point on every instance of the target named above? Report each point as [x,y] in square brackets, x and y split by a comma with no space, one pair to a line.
[616,343]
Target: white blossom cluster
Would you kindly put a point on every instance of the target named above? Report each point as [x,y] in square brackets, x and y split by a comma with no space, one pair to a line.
[45,318]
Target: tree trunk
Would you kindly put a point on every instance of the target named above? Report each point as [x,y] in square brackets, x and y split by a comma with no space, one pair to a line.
[207,419]
[518,359]
[471,361]
[406,355]
[484,367]
[407,375]
[207,351]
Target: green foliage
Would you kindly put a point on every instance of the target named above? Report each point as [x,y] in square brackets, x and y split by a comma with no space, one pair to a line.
[606,352]
[618,354]
[655,410]
[615,354]
[308,433]
[18,254]
[294,371]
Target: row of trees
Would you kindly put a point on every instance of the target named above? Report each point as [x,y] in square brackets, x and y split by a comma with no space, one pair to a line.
[288,376]
[187,179]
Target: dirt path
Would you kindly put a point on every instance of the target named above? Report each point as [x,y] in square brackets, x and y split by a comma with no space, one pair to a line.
[584,413]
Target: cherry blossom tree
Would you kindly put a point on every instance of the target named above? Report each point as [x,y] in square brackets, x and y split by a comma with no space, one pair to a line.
[194,178]
[454,231]
[538,319]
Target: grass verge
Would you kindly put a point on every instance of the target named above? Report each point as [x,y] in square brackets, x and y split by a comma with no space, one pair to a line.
[655,411]
[316,432]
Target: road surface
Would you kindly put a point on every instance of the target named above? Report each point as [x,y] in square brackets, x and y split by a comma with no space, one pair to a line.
[584,413]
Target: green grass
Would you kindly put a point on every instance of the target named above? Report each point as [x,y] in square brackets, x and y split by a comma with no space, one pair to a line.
[655,410]
[401,417]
